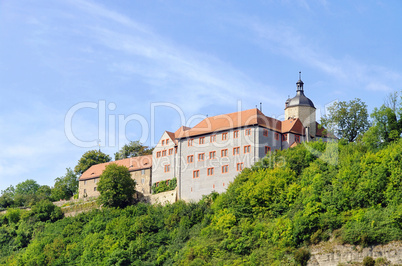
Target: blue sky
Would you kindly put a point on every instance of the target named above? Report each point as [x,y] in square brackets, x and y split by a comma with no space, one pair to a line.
[75,71]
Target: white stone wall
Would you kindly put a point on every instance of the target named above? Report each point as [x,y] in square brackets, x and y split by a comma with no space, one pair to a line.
[194,188]
[270,141]
[158,163]
[163,197]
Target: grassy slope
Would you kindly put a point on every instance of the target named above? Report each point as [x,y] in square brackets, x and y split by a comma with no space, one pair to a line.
[269,213]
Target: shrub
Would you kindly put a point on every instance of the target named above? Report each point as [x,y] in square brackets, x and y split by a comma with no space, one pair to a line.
[165,185]
[302,255]
[368,261]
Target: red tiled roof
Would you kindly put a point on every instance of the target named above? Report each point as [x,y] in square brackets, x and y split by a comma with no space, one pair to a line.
[133,164]
[180,130]
[172,136]
[229,121]
[293,125]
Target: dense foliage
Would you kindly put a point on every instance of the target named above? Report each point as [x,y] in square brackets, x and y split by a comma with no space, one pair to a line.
[66,186]
[116,187]
[165,185]
[90,158]
[347,120]
[269,215]
[133,149]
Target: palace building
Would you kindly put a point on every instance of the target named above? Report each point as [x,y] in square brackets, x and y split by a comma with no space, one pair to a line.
[208,156]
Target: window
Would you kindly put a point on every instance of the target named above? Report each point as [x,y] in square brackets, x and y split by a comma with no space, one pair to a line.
[202,140]
[85,182]
[240,166]
[247,131]
[267,149]
[142,180]
[210,171]
[167,168]
[168,182]
[201,156]
[85,191]
[285,137]
[94,188]
[297,138]
[158,154]
[265,132]
[163,142]
[171,151]
[236,134]
[212,138]
[276,136]
[224,136]
[247,149]
[196,173]
[190,142]
[143,171]
[225,169]
[167,141]
[212,155]
[157,184]
[236,150]
[164,153]
[94,180]
[190,158]
[224,153]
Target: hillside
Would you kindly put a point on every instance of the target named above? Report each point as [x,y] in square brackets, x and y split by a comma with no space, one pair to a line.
[270,214]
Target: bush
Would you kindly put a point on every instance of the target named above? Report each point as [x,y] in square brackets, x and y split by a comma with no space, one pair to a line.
[302,255]
[46,210]
[368,261]
[165,185]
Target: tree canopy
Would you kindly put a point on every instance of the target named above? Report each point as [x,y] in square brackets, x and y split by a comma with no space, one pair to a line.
[116,187]
[387,123]
[66,186]
[133,149]
[29,186]
[347,120]
[90,158]
[270,214]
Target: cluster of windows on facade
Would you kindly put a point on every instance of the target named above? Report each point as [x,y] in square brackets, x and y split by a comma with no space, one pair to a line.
[208,156]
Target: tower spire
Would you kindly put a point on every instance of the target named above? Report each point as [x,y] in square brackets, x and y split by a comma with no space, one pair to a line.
[299,83]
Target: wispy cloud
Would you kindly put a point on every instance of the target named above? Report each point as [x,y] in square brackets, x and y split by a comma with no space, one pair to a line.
[196,80]
[287,41]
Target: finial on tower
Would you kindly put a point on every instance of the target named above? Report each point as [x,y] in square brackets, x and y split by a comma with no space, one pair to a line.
[299,83]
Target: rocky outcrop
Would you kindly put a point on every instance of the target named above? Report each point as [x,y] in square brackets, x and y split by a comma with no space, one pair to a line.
[330,254]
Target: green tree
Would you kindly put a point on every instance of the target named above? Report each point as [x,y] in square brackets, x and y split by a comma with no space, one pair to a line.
[347,120]
[44,192]
[133,149]
[387,123]
[27,187]
[116,187]
[90,158]
[45,210]
[25,193]
[7,197]
[66,186]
